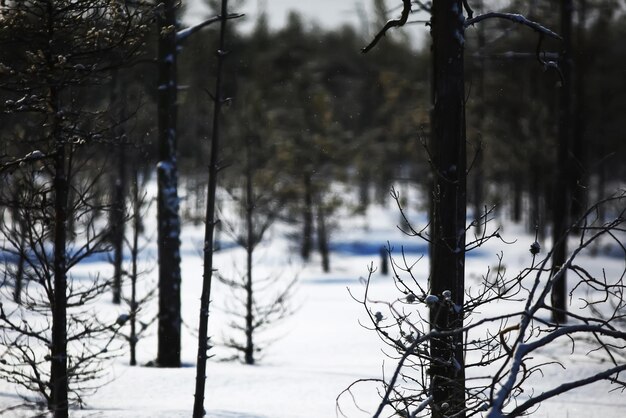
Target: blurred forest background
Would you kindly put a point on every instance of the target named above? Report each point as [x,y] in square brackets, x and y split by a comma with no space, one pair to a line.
[317,111]
[309,123]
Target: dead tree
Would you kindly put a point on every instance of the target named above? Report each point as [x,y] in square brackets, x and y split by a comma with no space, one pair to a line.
[62,51]
[31,333]
[168,203]
[256,303]
[448,156]
[168,219]
[210,220]
[561,198]
[136,304]
[506,349]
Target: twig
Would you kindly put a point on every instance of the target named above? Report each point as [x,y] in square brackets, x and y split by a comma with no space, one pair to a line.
[394,23]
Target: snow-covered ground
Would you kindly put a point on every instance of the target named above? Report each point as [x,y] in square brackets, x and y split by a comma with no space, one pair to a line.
[319,350]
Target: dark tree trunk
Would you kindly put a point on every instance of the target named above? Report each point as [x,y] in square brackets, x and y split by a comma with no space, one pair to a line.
[168,204]
[601,187]
[478,186]
[364,190]
[478,174]
[118,220]
[134,250]
[58,358]
[560,214]
[322,238]
[250,242]
[448,205]
[578,180]
[19,274]
[205,299]
[118,188]
[307,212]
[384,261]
[71,219]
[536,218]
[20,224]
[517,199]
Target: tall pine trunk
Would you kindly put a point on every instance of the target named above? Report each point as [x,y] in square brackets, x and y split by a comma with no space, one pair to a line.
[118,220]
[58,358]
[210,222]
[118,187]
[168,203]
[249,349]
[134,253]
[307,218]
[322,237]
[448,206]
[561,200]
[578,180]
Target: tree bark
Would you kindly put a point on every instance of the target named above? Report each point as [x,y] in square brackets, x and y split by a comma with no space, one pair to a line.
[137,203]
[578,180]
[118,223]
[118,186]
[307,213]
[561,211]
[322,238]
[58,366]
[168,203]
[210,222]
[448,206]
[249,349]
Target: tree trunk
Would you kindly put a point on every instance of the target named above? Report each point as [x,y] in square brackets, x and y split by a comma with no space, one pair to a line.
[205,299]
[307,228]
[560,219]
[517,199]
[58,366]
[133,277]
[20,225]
[168,203]
[118,220]
[478,175]
[322,238]
[578,180]
[249,349]
[118,187]
[448,206]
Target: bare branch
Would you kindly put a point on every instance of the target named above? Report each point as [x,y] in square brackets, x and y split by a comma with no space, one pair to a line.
[516,18]
[394,23]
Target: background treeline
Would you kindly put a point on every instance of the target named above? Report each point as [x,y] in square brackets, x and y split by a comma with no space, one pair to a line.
[320,111]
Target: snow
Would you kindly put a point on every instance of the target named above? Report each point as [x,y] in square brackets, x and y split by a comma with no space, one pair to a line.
[321,349]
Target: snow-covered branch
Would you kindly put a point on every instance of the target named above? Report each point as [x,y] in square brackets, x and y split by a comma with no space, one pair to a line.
[183,34]
[30,157]
[516,18]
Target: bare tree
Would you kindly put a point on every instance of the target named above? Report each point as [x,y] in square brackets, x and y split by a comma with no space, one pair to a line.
[561,209]
[139,205]
[27,330]
[59,51]
[448,204]
[210,221]
[505,349]
[257,303]
[168,218]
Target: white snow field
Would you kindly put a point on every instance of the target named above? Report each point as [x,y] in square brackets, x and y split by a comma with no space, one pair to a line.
[320,349]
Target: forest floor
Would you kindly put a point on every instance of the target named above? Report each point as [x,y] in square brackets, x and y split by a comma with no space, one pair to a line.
[322,347]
